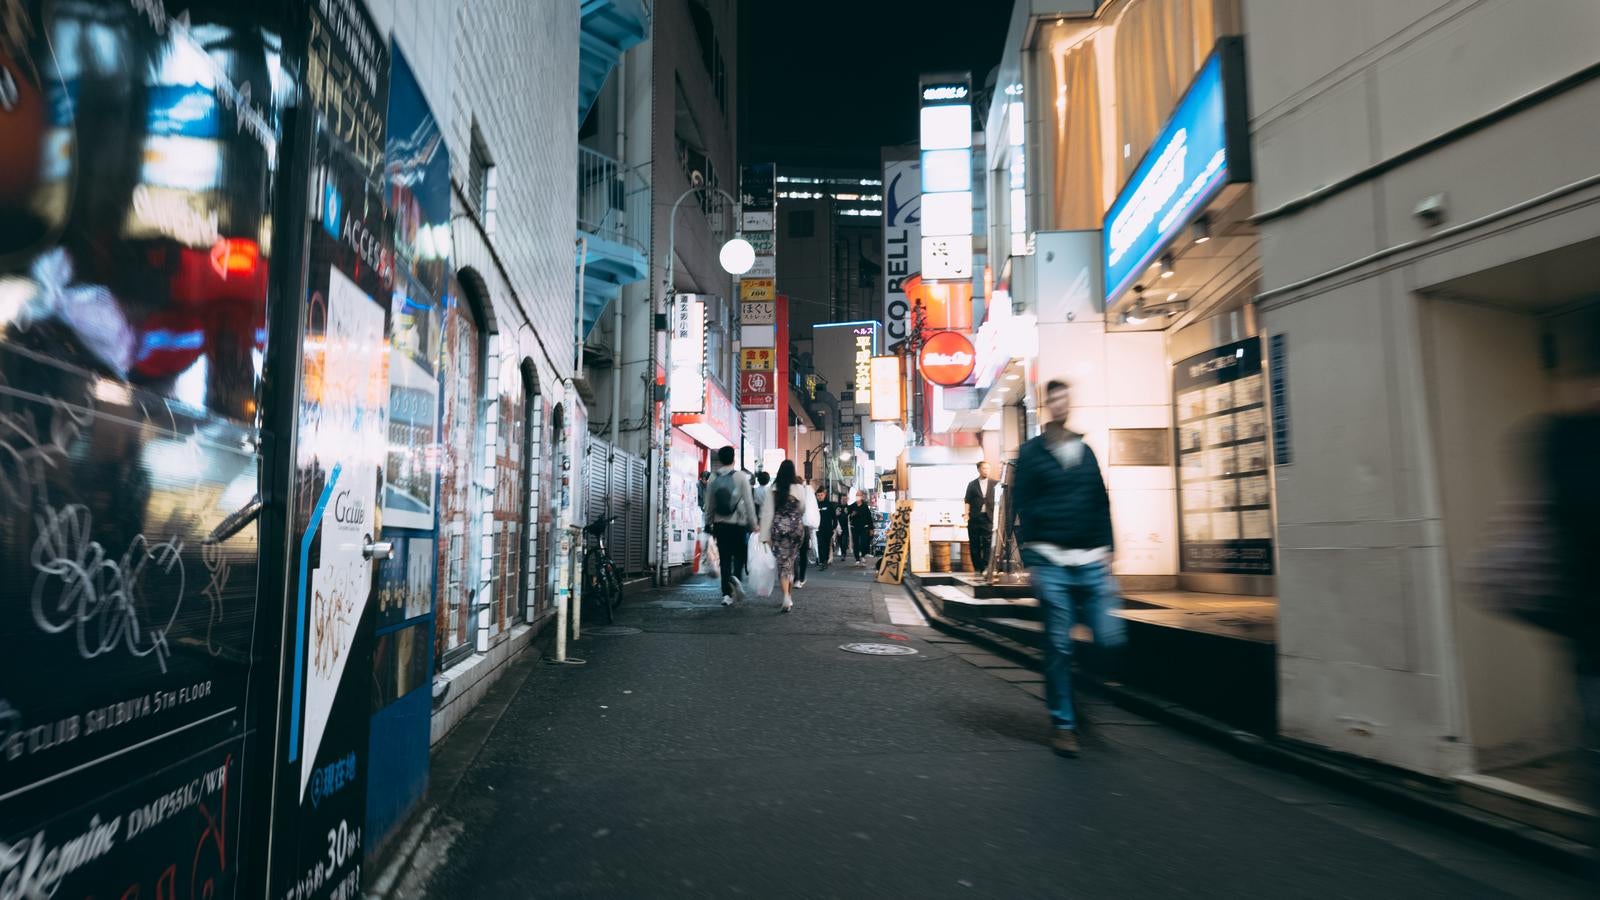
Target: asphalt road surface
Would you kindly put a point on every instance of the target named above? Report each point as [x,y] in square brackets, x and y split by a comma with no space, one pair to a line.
[740,753]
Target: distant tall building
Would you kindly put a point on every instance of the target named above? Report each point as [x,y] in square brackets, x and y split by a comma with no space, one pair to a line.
[830,242]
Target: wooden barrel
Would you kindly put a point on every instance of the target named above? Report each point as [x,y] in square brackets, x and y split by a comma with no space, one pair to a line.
[939,556]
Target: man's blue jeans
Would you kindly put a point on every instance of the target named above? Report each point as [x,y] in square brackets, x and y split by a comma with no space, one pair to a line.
[1064,591]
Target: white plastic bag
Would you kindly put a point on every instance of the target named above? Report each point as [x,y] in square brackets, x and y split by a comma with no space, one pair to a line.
[762,575]
[710,563]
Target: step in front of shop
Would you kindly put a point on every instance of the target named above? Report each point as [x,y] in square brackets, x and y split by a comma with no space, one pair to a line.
[1211,664]
[957,603]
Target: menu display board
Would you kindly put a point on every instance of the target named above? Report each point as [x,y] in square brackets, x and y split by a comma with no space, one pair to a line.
[1224,483]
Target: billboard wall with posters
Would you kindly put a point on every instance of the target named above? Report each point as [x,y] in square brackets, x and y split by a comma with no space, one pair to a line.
[135,211]
[902,246]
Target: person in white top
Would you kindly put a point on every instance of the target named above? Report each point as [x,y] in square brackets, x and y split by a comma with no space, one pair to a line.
[784,513]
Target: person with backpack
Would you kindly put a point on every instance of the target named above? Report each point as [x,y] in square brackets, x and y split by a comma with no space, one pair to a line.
[730,518]
[1061,498]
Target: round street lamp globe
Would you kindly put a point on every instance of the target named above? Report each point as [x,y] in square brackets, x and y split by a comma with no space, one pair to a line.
[737,256]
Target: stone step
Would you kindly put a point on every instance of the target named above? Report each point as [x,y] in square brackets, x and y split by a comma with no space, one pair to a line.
[956,603]
[1544,805]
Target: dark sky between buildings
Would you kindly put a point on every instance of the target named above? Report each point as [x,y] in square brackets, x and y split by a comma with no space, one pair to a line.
[827,82]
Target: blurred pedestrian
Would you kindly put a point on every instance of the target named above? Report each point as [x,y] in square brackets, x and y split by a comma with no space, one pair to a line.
[760,489]
[827,524]
[1571,452]
[730,516]
[980,517]
[1061,498]
[813,517]
[861,525]
[783,515]
[844,527]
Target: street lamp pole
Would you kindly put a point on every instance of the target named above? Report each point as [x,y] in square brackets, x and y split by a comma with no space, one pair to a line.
[662,432]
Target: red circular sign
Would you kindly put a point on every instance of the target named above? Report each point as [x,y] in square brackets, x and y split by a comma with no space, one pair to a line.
[948,359]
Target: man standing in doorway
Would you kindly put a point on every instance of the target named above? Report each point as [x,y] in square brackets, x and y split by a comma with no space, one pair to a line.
[1061,499]
[828,521]
[861,527]
[730,517]
[980,517]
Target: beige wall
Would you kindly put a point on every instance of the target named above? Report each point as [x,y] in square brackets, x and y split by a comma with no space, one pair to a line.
[1382,654]
[1488,387]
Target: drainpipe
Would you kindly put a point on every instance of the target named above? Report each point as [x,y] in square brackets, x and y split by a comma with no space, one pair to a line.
[577,325]
[616,305]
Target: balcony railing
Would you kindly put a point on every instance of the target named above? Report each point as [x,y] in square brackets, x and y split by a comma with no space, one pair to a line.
[613,200]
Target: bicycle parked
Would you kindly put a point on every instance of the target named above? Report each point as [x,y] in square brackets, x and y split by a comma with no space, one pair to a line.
[602,581]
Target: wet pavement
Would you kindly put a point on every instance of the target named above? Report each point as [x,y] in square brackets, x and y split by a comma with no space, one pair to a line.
[741,753]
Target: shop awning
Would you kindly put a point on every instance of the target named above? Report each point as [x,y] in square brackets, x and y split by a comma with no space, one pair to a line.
[717,426]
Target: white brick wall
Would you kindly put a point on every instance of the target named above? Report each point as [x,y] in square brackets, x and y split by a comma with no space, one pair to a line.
[510,67]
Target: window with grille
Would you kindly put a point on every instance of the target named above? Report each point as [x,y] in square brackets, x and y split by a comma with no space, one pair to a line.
[482,180]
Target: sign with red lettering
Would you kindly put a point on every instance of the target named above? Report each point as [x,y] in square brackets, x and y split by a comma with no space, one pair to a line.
[948,359]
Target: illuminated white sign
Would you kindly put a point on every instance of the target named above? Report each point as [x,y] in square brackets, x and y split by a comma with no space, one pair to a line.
[944,92]
[886,389]
[946,143]
[688,355]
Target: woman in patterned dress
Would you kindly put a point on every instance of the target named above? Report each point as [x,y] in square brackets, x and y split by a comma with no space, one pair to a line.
[783,514]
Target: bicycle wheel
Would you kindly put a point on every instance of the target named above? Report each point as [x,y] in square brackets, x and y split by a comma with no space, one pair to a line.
[604,598]
[614,579]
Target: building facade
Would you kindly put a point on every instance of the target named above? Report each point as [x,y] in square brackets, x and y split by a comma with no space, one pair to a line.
[668,117]
[1421,261]
[1312,277]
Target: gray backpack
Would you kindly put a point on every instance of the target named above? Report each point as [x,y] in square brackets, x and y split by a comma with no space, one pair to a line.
[724,496]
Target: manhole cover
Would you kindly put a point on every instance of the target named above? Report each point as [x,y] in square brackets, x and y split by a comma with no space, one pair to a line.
[872,649]
[610,630]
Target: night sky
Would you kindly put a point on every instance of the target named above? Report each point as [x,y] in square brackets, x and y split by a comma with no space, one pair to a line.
[827,82]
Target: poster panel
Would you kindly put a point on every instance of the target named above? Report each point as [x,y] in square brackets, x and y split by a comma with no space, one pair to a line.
[342,459]
[1223,488]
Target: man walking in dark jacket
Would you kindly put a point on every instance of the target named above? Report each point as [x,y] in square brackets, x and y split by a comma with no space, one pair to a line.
[1061,499]
[828,512]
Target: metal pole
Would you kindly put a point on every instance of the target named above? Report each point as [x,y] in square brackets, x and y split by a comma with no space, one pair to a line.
[663,430]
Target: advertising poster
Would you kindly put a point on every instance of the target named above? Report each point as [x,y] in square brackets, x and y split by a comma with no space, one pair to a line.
[683,501]
[902,246]
[1224,484]
[342,460]
[134,271]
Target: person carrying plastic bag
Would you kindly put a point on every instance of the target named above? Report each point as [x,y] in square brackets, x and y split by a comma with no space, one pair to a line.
[783,525]
[730,517]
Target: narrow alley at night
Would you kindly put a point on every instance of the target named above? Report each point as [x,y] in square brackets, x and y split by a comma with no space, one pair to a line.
[841,449]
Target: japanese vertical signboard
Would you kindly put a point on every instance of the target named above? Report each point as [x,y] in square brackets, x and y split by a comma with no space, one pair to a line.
[758,291]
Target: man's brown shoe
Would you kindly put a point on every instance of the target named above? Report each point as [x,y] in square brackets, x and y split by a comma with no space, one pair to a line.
[1065,742]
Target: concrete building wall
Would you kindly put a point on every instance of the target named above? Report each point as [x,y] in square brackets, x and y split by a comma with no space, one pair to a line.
[1383,652]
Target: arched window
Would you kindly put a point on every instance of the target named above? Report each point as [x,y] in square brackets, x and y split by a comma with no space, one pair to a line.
[461,372]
